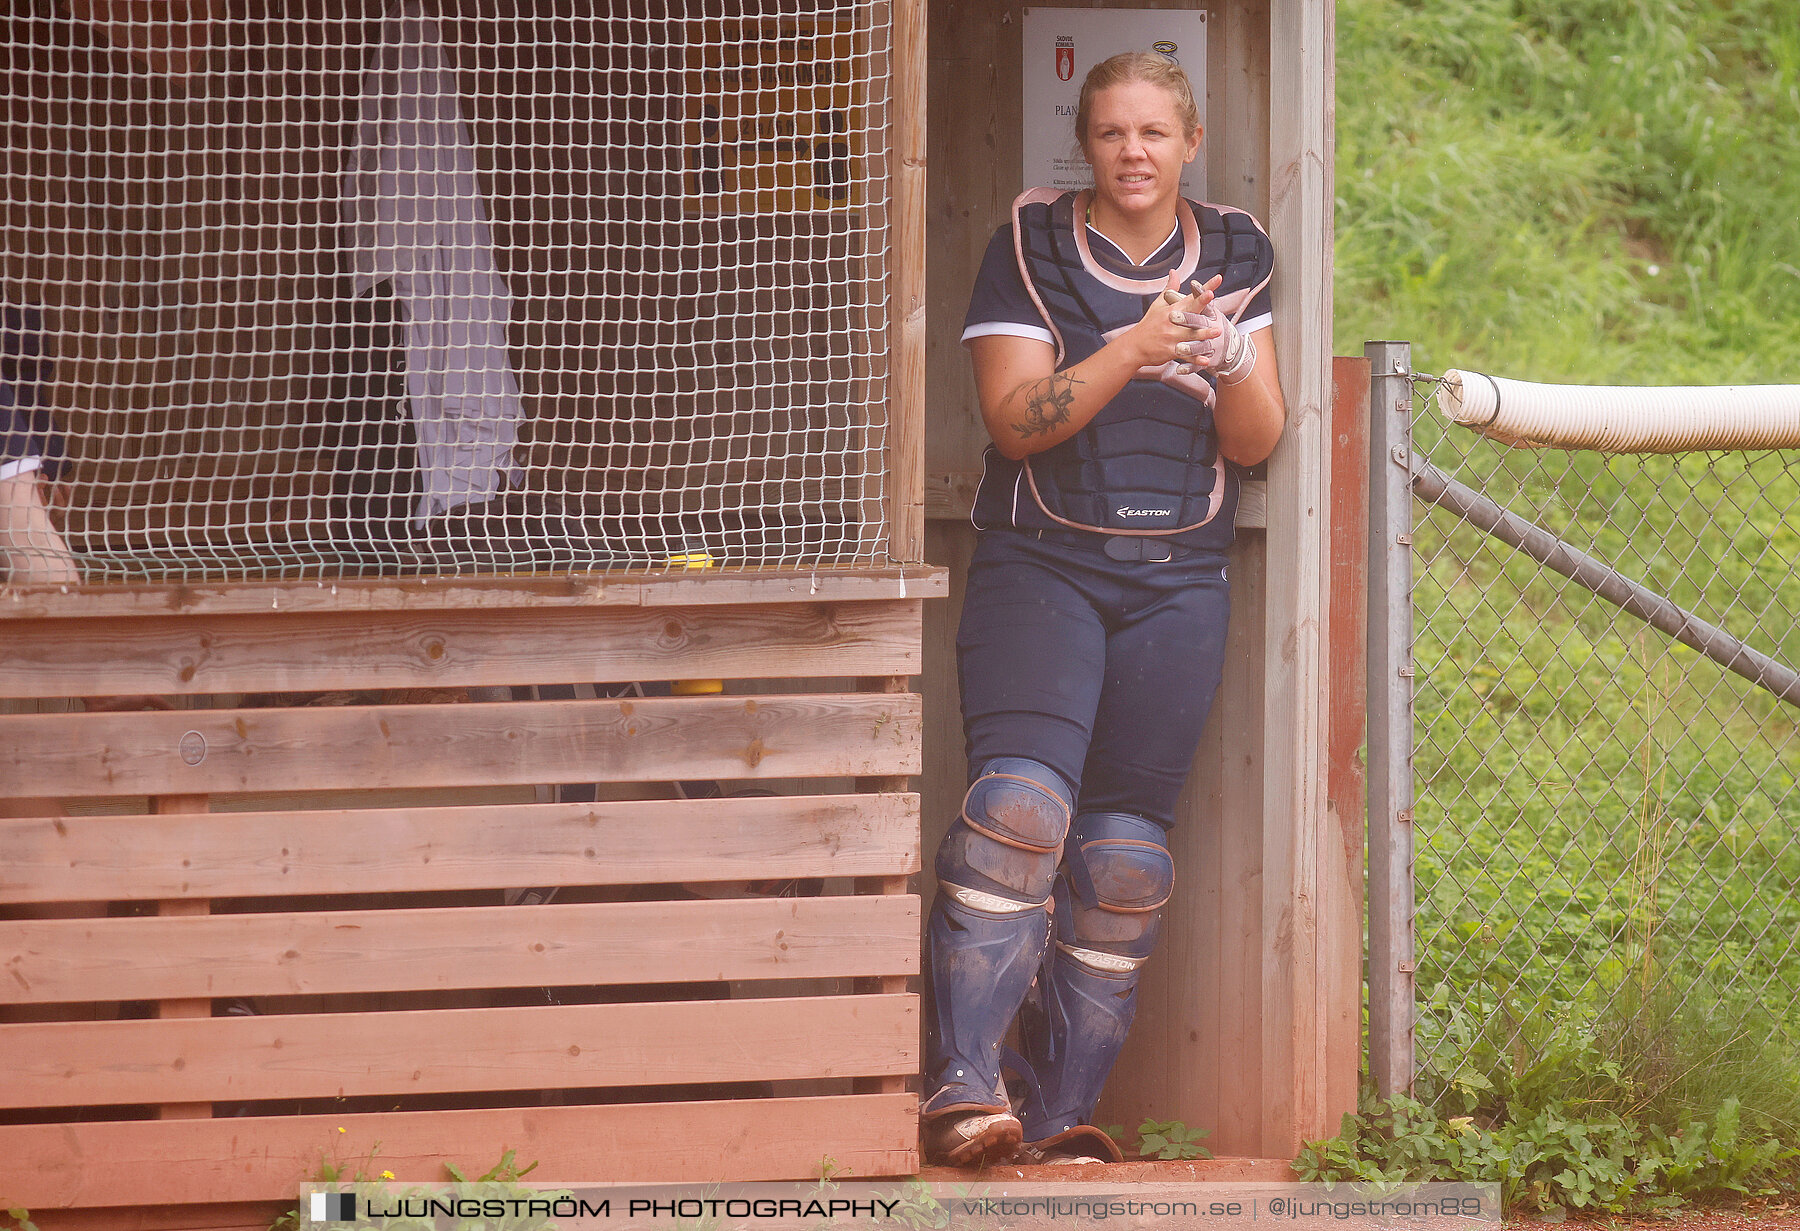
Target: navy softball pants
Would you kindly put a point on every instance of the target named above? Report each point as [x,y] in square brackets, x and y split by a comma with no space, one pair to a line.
[1102,669]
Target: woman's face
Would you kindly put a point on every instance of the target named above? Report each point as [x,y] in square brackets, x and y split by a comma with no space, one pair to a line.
[1137,146]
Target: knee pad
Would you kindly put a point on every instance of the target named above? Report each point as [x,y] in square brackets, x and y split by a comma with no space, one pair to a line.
[1001,853]
[1117,877]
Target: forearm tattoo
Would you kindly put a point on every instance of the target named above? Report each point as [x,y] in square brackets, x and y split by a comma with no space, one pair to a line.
[1048,405]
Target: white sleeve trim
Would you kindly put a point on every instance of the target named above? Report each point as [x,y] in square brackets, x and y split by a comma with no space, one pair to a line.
[1010,329]
[1262,321]
[25,465]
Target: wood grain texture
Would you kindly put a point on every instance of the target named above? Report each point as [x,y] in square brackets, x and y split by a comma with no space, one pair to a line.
[174,655]
[946,776]
[375,850]
[1237,145]
[1195,1052]
[888,886]
[906,439]
[182,908]
[215,1216]
[973,150]
[1342,865]
[258,1158]
[950,495]
[67,1064]
[1244,817]
[552,945]
[1295,983]
[635,740]
[718,586]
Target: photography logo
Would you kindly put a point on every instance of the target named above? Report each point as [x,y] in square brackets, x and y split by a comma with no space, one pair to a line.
[334,1207]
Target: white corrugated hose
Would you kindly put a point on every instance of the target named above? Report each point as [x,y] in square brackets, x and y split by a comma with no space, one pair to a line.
[1625,418]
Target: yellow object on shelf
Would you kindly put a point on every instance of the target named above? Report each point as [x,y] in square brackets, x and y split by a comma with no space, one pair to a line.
[693,688]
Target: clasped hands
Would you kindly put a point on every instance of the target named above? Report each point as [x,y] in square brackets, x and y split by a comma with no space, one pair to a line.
[1210,332]
[1202,337]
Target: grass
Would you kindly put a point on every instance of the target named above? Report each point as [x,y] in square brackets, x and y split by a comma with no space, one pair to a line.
[1596,191]
[1602,814]
[1608,834]
[1683,1059]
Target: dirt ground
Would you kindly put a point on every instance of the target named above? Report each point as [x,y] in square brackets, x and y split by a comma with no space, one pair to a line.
[1751,1214]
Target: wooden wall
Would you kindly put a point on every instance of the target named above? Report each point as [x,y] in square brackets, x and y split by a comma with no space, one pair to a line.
[342,869]
[1250,1020]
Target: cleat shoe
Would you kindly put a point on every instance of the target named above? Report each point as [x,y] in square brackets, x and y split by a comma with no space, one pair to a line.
[1073,1147]
[967,1137]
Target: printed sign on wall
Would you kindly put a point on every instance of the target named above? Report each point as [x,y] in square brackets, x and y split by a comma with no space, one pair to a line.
[1061,45]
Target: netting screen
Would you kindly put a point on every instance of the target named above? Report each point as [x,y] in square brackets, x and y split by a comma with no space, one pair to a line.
[300,287]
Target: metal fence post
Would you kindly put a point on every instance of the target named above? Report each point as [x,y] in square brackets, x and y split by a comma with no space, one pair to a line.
[1391,961]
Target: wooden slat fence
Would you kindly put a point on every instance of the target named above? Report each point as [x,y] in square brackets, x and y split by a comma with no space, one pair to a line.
[227,932]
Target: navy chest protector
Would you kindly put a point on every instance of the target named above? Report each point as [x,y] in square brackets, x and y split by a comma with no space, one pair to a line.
[1149,463]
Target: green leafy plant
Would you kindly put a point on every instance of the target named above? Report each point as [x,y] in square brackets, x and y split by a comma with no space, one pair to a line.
[505,1171]
[501,1179]
[1550,1160]
[1171,1139]
[1607,861]
[334,1170]
[702,1222]
[918,1209]
[20,1218]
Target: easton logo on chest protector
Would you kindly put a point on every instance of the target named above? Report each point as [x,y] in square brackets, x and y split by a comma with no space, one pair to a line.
[1149,462]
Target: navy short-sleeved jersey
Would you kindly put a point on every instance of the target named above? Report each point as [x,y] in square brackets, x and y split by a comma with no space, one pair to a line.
[28,439]
[1001,304]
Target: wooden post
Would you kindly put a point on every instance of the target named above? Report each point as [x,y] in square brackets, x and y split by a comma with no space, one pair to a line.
[906,423]
[1341,870]
[1237,113]
[173,805]
[1295,984]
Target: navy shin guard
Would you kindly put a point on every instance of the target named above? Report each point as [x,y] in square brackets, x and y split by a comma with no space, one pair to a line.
[981,968]
[989,926]
[1117,876]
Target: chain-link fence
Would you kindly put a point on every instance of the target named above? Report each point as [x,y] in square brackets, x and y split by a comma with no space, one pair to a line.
[1606,822]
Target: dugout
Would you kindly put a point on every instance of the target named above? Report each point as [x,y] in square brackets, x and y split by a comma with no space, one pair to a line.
[749,400]
[1250,1019]
[646,283]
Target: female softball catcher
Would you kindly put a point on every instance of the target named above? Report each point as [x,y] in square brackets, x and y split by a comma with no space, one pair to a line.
[1125,365]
